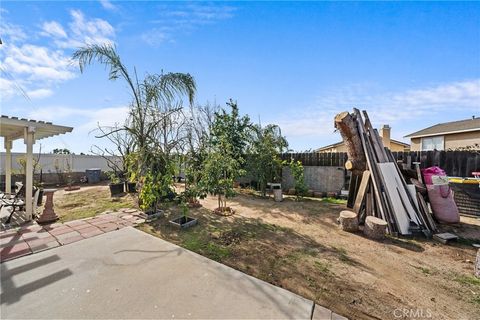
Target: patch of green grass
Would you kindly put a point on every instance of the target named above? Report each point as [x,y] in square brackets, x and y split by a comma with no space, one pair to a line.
[424,270]
[476,300]
[88,203]
[468,279]
[342,255]
[322,266]
[272,227]
[201,244]
[334,200]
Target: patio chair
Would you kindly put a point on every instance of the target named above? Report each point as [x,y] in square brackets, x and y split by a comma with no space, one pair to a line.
[20,191]
[17,204]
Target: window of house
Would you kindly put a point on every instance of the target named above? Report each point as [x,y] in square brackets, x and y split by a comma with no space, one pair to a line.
[433,143]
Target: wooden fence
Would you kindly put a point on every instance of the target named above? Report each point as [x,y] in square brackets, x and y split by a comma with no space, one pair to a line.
[326,159]
[455,163]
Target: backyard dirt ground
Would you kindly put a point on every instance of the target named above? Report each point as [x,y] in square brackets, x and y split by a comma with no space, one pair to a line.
[298,246]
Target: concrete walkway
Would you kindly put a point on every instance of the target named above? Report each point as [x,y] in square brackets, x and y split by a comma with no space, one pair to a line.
[129,274]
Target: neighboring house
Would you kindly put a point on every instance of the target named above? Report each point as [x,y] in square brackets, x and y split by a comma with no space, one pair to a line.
[384,132]
[447,136]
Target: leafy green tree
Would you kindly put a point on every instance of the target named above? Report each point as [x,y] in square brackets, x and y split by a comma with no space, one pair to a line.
[220,171]
[229,126]
[153,121]
[223,164]
[61,151]
[263,162]
[296,169]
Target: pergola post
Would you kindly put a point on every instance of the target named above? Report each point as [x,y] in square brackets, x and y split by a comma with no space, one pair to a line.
[29,140]
[8,165]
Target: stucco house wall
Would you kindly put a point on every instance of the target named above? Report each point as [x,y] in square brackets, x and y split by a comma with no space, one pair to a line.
[451,141]
[462,139]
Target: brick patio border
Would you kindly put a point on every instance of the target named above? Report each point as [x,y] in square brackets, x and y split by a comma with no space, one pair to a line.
[33,238]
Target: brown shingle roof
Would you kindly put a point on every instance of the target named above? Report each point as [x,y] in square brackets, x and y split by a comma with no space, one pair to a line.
[341,142]
[448,127]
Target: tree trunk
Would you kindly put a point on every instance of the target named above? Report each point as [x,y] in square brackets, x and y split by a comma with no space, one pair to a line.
[347,125]
[375,228]
[348,221]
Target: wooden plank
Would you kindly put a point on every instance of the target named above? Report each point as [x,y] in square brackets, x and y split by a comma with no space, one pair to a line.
[375,142]
[360,198]
[403,210]
[352,189]
[369,203]
[382,206]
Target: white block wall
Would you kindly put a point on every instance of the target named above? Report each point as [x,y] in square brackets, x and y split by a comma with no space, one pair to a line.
[50,162]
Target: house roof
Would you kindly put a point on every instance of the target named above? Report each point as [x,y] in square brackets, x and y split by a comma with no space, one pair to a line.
[13,128]
[341,142]
[448,128]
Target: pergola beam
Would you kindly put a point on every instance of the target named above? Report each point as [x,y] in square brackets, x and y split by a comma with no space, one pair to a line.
[8,165]
[30,130]
[29,141]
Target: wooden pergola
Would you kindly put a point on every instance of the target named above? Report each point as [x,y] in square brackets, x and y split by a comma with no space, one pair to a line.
[13,128]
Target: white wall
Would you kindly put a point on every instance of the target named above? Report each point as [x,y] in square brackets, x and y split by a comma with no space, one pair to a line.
[50,162]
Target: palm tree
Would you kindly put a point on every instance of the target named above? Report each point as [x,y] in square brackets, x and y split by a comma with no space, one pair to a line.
[154,90]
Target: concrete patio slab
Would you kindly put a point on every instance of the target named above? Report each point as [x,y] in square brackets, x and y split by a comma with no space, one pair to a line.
[129,274]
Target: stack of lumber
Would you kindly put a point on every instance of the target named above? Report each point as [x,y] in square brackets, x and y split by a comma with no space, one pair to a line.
[379,188]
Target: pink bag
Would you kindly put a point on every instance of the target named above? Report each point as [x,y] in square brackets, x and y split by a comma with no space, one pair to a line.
[443,206]
[432,171]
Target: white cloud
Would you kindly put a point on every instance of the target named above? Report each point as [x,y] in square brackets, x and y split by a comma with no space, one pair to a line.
[88,119]
[32,70]
[156,36]
[108,5]
[53,29]
[81,31]
[178,18]
[40,93]
[384,108]
[84,123]
[37,63]
[11,32]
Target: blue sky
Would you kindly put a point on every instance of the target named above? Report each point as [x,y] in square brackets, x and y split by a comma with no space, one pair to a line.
[297,64]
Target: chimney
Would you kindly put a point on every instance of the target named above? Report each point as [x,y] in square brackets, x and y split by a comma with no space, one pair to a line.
[385,134]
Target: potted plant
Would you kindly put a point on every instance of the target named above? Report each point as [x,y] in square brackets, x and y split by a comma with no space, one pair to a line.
[130,186]
[115,185]
[184,221]
[130,164]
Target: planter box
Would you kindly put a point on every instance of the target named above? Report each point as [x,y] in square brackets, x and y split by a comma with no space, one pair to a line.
[152,215]
[131,187]
[184,222]
[116,188]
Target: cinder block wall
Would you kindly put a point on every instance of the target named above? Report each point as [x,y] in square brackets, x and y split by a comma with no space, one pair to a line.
[321,179]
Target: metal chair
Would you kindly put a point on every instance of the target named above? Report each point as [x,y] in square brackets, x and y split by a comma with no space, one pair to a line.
[18,204]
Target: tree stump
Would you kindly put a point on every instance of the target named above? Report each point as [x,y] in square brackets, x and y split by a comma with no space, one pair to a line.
[477,265]
[375,228]
[348,221]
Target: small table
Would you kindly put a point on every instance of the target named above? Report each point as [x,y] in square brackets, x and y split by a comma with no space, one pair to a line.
[48,215]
